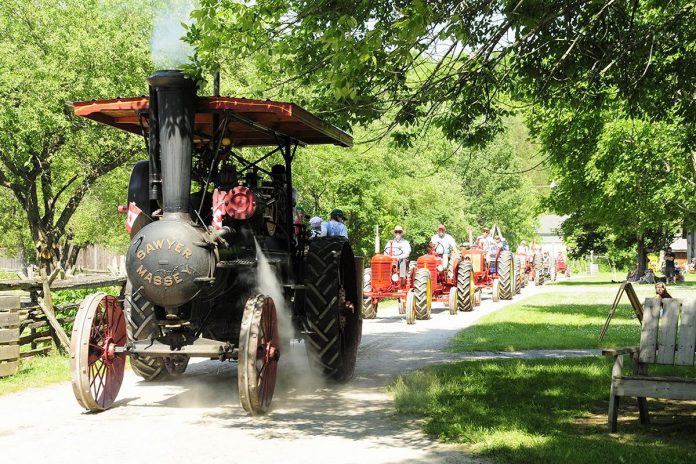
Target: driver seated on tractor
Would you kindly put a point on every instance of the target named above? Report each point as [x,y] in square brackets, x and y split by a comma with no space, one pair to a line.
[335,226]
[522,248]
[444,245]
[399,248]
[483,241]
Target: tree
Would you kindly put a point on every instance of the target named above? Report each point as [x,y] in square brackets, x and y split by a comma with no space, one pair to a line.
[454,64]
[622,180]
[52,53]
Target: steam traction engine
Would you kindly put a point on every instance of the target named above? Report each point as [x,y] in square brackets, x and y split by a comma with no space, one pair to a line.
[194,260]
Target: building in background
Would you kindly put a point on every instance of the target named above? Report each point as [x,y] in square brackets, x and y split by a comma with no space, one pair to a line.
[549,234]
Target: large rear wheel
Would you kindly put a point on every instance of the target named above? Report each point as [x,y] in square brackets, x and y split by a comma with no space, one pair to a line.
[505,274]
[142,325]
[369,308]
[538,270]
[334,326]
[422,286]
[465,287]
[258,354]
[97,366]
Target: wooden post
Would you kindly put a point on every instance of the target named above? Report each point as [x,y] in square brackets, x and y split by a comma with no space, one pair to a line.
[9,335]
[46,304]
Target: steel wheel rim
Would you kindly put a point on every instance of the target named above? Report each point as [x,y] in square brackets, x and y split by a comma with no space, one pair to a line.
[258,354]
[97,367]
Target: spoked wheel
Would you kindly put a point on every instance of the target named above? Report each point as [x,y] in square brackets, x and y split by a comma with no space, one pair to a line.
[452,301]
[369,308]
[96,365]
[410,307]
[258,354]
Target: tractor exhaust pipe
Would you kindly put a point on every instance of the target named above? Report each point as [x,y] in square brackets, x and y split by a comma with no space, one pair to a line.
[173,111]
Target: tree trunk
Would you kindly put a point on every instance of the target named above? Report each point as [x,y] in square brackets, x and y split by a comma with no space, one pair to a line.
[642,258]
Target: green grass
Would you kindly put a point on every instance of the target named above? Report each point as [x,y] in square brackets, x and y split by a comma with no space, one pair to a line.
[558,319]
[8,275]
[38,371]
[523,411]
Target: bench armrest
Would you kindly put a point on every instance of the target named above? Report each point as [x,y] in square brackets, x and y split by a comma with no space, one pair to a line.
[620,351]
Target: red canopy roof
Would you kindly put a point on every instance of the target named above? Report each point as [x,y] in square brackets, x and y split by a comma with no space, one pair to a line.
[251,122]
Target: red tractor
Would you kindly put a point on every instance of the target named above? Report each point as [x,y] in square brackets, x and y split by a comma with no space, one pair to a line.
[562,266]
[532,266]
[500,278]
[432,282]
[382,281]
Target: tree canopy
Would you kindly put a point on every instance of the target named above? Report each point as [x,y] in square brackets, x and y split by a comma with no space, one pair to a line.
[53,53]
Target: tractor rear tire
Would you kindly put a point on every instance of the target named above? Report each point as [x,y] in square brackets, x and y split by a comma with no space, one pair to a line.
[538,270]
[518,274]
[335,327]
[465,288]
[505,273]
[141,324]
[369,309]
[422,285]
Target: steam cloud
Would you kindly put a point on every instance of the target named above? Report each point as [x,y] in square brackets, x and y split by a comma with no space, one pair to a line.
[168,49]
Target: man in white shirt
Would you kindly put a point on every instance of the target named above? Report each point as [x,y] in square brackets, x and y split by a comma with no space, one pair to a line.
[399,248]
[335,226]
[444,245]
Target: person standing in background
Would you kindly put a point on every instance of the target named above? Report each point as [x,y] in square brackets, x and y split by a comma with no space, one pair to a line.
[670,270]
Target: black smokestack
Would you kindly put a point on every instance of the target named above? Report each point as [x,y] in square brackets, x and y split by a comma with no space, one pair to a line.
[175,111]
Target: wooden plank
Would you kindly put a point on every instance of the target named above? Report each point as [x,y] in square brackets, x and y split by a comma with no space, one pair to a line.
[9,320]
[9,335]
[35,337]
[81,282]
[649,387]
[36,351]
[9,352]
[61,336]
[648,330]
[687,334]
[9,301]
[8,368]
[635,302]
[668,331]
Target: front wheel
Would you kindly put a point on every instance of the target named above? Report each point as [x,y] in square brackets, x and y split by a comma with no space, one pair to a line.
[259,353]
[410,307]
[422,286]
[369,308]
[97,363]
[496,290]
[452,301]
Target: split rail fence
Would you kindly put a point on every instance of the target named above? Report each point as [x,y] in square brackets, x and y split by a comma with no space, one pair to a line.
[30,324]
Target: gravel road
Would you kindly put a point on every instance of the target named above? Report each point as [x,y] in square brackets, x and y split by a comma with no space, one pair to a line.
[198,417]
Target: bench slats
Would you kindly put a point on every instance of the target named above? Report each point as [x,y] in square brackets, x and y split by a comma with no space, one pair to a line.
[673,389]
[687,334]
[648,330]
[668,331]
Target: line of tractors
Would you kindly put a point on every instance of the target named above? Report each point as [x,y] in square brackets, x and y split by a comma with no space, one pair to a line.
[472,272]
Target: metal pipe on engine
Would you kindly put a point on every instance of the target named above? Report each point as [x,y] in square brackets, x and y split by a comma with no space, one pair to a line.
[176,99]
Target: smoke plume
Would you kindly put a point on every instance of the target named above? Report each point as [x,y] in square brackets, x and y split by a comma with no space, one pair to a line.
[168,49]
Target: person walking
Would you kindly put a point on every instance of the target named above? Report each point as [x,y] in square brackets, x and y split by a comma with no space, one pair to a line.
[399,248]
[335,226]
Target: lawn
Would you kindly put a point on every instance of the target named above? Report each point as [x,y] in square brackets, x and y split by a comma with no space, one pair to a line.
[522,411]
[550,410]
[38,371]
[560,318]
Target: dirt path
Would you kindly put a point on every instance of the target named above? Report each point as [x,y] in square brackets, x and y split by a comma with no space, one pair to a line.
[198,417]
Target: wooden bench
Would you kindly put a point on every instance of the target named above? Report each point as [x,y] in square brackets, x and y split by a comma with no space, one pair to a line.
[667,337]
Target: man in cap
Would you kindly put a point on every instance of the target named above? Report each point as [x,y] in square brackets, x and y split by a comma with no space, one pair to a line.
[443,244]
[315,227]
[399,248]
[335,226]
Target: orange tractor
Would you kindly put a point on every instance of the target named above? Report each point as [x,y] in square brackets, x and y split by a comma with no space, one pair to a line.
[499,275]
[532,266]
[424,283]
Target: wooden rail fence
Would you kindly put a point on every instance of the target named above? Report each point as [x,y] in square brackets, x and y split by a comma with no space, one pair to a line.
[31,325]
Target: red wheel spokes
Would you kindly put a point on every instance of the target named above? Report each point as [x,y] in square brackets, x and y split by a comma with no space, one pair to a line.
[266,353]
